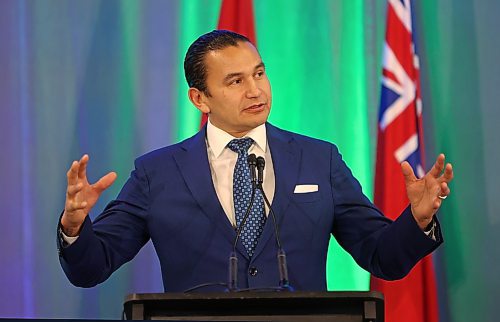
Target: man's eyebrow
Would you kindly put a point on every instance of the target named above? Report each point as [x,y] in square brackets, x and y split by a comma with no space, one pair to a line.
[230,76]
[238,74]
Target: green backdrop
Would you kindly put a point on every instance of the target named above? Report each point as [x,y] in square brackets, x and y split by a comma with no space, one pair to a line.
[105,77]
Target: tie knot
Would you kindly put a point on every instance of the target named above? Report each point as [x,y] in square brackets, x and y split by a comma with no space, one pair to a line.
[240,145]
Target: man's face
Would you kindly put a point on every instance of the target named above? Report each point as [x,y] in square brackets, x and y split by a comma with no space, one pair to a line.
[240,93]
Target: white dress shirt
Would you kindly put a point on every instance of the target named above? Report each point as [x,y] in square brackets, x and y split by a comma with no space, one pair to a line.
[222,161]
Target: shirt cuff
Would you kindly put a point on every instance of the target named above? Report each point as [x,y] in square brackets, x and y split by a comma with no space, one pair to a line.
[430,230]
[67,240]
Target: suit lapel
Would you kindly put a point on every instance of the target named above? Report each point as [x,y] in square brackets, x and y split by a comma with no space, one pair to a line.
[286,160]
[192,161]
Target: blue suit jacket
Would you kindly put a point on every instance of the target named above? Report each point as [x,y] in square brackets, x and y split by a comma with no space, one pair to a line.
[171,199]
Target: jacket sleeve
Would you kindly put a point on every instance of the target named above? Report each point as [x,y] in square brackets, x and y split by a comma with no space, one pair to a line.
[387,249]
[113,239]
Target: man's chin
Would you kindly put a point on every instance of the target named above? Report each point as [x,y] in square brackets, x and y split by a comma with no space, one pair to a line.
[258,120]
[248,126]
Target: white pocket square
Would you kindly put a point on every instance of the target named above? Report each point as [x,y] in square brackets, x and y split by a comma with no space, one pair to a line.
[305,188]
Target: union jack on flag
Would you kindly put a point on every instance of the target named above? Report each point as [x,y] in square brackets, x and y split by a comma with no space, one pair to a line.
[400,138]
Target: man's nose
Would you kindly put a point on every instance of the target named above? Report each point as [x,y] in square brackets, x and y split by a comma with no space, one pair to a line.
[253,89]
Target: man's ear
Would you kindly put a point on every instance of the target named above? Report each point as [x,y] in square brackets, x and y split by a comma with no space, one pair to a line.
[198,99]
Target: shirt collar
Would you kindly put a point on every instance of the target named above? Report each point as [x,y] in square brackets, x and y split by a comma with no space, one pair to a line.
[218,139]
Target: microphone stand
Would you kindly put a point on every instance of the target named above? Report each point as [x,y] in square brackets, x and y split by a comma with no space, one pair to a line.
[284,282]
[233,259]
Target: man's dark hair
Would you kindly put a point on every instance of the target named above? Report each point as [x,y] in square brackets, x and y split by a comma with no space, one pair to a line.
[194,62]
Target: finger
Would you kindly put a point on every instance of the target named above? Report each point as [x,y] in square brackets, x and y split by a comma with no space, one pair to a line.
[82,171]
[437,203]
[74,189]
[437,191]
[105,182]
[448,173]
[445,190]
[438,166]
[72,173]
[408,173]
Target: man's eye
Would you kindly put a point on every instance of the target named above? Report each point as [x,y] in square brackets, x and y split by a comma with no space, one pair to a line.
[236,82]
[259,74]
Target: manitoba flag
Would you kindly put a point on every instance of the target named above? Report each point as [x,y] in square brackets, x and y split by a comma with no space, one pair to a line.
[400,138]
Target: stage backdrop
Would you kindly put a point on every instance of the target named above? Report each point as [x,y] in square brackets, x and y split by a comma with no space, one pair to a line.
[104,77]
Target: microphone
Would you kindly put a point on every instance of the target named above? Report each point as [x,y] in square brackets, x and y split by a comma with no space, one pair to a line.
[284,283]
[233,259]
[261,163]
[252,163]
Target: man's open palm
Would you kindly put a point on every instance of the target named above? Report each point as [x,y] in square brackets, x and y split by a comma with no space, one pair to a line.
[427,194]
[81,196]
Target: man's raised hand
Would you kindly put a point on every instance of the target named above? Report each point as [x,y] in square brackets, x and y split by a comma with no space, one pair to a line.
[427,194]
[81,196]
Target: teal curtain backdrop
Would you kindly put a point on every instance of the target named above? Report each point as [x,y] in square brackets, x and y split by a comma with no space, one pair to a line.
[104,77]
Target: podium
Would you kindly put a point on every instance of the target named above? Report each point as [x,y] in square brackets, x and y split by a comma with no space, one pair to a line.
[257,306]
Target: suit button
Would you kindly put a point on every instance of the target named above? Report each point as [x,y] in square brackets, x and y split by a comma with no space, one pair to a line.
[253,271]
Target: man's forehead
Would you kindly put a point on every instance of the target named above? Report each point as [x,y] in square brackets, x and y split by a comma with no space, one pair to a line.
[233,58]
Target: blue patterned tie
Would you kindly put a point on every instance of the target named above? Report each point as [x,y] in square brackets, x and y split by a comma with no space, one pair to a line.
[242,191]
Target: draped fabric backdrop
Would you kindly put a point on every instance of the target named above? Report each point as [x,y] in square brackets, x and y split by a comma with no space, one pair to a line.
[104,77]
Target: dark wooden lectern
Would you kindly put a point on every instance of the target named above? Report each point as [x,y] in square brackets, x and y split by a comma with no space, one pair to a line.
[257,306]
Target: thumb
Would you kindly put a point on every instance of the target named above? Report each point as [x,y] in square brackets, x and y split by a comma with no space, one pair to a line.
[105,182]
[408,173]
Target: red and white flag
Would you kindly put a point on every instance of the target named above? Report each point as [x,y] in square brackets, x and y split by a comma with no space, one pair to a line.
[400,138]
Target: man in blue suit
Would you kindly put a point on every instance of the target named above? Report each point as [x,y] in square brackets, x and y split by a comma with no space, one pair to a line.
[186,197]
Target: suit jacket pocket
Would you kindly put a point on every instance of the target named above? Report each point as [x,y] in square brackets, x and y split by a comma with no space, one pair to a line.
[306,197]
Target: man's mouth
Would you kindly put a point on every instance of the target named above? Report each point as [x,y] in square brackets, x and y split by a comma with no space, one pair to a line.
[256,107]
